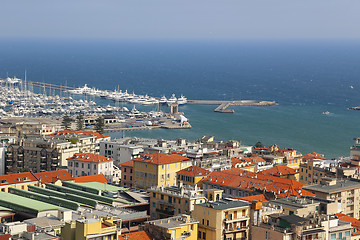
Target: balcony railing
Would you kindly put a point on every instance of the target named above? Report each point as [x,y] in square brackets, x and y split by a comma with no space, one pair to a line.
[167,212]
[235,229]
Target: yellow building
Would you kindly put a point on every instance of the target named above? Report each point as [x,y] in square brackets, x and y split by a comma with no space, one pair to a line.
[92,228]
[174,200]
[179,227]
[192,176]
[222,219]
[158,170]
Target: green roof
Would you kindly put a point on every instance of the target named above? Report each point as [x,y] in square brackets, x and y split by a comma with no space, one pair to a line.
[4,209]
[19,203]
[102,186]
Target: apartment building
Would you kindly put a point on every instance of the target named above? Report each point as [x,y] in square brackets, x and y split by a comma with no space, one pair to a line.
[192,176]
[345,192]
[158,169]
[222,219]
[179,227]
[84,164]
[127,174]
[174,200]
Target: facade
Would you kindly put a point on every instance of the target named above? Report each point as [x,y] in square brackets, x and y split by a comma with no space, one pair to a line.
[127,174]
[174,200]
[120,152]
[192,176]
[84,164]
[313,170]
[158,170]
[179,227]
[345,193]
[83,229]
[222,219]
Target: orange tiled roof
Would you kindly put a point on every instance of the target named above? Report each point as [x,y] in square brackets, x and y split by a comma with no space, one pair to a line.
[16,178]
[354,223]
[45,177]
[249,160]
[128,163]
[194,171]
[259,197]
[89,157]
[160,158]
[313,155]
[141,235]
[250,181]
[53,176]
[91,178]
[64,132]
[280,170]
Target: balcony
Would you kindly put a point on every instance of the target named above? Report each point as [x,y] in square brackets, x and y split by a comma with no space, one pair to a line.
[235,229]
[241,218]
[166,212]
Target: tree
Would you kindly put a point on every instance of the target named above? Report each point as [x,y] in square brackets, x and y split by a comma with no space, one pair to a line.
[259,144]
[99,125]
[66,122]
[80,121]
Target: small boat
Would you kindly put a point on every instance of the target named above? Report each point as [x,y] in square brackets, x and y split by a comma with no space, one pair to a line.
[326,112]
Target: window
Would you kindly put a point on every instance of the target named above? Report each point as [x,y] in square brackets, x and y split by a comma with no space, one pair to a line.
[88,165]
[204,235]
[76,164]
[154,205]
[162,196]
[70,164]
[124,177]
[82,165]
[130,178]
[207,222]
[199,235]
[130,170]
[154,195]
[162,167]
[340,235]
[333,236]
[347,234]
[124,169]
[95,166]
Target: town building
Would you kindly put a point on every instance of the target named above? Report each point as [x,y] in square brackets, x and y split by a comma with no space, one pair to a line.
[84,164]
[158,169]
[127,174]
[174,200]
[192,176]
[178,227]
[343,192]
[222,218]
[91,228]
[282,171]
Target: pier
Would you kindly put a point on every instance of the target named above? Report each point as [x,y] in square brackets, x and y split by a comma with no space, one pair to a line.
[49,85]
[223,105]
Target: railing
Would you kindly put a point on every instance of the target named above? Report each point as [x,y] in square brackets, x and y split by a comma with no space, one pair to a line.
[167,212]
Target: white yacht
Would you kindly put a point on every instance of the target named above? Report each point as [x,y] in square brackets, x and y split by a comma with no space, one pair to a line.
[172,100]
[182,100]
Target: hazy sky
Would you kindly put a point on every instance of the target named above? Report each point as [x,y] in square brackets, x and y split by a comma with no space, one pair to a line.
[189,19]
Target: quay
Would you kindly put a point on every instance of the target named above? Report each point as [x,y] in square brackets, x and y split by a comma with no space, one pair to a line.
[223,105]
[49,85]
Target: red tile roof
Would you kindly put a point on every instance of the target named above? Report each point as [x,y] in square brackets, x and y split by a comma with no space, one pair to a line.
[89,157]
[313,155]
[280,170]
[141,235]
[44,177]
[244,180]
[128,164]
[194,171]
[160,158]
[16,178]
[91,178]
[53,176]
[259,197]
[64,132]
[354,222]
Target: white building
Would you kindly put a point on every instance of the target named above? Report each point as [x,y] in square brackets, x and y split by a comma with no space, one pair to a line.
[84,164]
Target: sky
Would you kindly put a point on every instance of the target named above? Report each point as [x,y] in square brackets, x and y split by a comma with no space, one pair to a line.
[180,19]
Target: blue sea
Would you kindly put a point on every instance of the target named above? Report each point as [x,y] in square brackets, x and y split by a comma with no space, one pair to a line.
[304,77]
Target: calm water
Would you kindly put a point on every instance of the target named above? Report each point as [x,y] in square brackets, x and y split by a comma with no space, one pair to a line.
[304,77]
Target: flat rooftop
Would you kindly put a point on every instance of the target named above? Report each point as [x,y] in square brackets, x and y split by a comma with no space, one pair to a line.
[173,222]
[225,204]
[338,187]
[16,202]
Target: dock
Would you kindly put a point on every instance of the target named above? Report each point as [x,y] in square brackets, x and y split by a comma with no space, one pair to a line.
[49,85]
[223,105]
